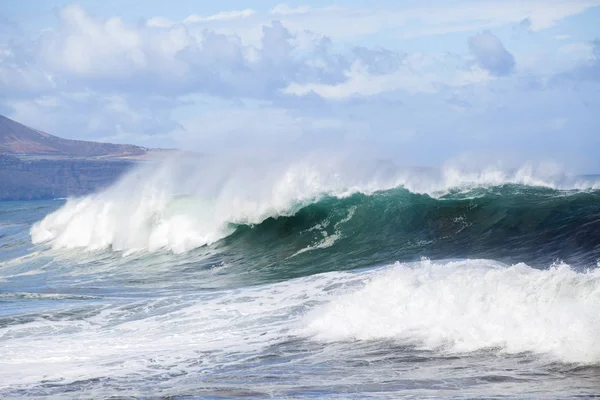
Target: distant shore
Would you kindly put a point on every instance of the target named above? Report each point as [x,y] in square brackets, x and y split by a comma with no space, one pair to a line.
[42,178]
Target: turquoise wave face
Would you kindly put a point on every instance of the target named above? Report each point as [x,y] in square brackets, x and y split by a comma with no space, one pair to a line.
[510,223]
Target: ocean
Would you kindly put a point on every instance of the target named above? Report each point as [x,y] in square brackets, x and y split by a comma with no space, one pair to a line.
[305,278]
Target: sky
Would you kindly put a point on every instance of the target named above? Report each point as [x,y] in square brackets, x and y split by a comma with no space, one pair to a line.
[420,81]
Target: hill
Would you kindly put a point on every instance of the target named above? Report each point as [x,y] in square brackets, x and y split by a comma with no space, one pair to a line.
[18,139]
[36,165]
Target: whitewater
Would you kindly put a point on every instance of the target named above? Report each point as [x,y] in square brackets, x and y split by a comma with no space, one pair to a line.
[319,276]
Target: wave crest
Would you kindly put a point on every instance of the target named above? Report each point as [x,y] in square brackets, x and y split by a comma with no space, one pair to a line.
[186,202]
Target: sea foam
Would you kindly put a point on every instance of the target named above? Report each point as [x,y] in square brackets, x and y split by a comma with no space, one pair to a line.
[458,306]
[470,305]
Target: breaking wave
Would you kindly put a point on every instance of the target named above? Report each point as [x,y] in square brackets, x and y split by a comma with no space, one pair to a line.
[184,204]
[463,306]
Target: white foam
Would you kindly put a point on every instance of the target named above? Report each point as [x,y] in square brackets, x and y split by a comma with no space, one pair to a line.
[327,240]
[185,203]
[470,305]
[156,336]
[453,307]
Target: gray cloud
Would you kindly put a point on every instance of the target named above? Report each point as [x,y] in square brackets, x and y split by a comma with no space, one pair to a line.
[379,61]
[491,54]
[86,115]
[108,75]
[524,25]
[106,56]
[589,70]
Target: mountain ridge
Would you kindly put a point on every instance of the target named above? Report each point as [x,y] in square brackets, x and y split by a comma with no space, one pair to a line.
[19,139]
[35,165]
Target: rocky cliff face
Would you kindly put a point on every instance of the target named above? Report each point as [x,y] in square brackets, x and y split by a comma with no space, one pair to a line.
[47,179]
[36,165]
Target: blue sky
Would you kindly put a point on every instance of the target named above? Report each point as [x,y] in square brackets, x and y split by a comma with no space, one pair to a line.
[423,82]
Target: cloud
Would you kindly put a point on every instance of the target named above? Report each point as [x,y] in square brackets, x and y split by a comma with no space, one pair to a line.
[283,9]
[303,76]
[359,82]
[374,72]
[523,27]
[379,61]
[159,22]
[562,37]
[9,28]
[164,58]
[525,24]
[587,70]
[86,115]
[18,80]
[409,19]
[491,54]
[106,55]
[262,128]
[20,75]
[276,47]
[222,16]
[414,19]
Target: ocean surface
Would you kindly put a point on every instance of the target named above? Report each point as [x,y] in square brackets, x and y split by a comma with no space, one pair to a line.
[305,279]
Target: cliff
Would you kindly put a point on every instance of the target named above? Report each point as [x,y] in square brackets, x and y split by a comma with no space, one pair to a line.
[48,179]
[36,165]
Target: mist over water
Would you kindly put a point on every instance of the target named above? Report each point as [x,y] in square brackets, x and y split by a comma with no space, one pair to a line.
[323,275]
